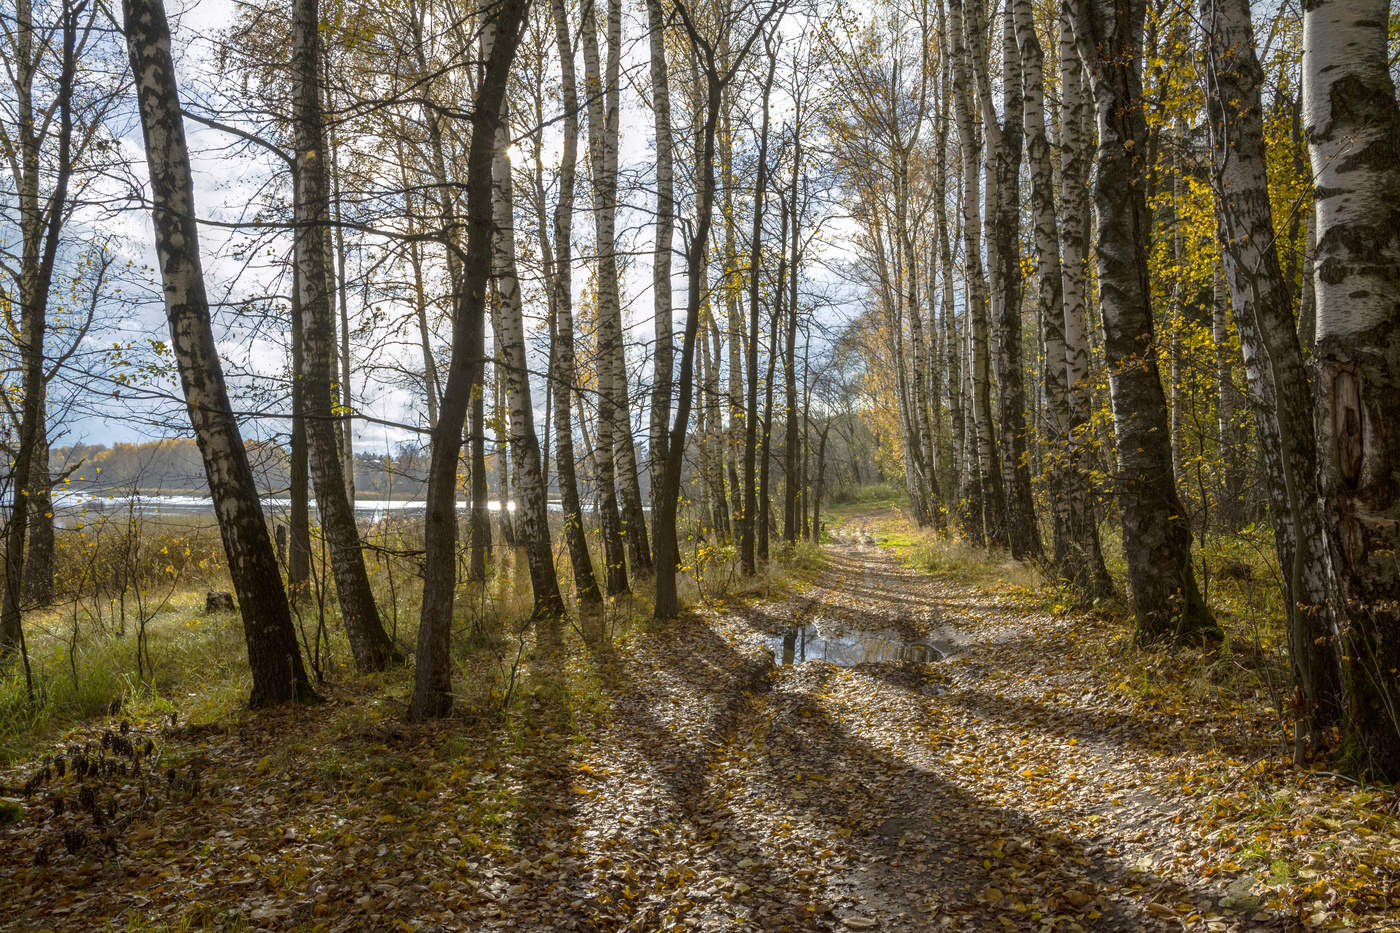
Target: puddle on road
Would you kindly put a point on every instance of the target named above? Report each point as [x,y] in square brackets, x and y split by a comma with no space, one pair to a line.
[806,643]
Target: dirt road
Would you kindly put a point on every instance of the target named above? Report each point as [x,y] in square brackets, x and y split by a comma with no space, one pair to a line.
[949,794]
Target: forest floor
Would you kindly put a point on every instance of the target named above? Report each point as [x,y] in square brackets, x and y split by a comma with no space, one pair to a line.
[1040,775]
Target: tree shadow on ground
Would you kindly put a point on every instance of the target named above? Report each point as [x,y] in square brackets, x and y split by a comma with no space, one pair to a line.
[546,727]
[882,797]
[1105,727]
[736,883]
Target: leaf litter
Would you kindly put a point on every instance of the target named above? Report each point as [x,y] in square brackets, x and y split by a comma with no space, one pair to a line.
[1043,776]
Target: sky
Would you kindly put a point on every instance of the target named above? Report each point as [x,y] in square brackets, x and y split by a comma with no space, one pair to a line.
[229,178]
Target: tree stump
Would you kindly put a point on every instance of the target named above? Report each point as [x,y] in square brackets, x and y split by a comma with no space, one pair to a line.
[218,602]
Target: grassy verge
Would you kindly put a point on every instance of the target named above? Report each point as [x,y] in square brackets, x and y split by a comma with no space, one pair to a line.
[851,502]
[144,646]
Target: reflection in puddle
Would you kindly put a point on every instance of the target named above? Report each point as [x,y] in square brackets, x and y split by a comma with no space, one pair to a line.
[806,643]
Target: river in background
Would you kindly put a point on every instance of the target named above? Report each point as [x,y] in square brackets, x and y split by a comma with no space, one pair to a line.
[70,503]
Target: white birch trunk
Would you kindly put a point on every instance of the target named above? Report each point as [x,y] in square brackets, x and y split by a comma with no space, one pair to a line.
[602,165]
[1352,123]
[369,643]
[514,368]
[991,499]
[273,655]
[663,354]
[1074,269]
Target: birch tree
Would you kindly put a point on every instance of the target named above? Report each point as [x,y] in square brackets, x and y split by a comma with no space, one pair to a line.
[600,99]
[716,79]
[273,655]
[1091,572]
[1167,603]
[1262,302]
[748,530]
[1352,123]
[41,226]
[663,353]
[432,681]
[54,139]
[987,473]
[562,368]
[1004,260]
[524,444]
[1049,285]
[370,644]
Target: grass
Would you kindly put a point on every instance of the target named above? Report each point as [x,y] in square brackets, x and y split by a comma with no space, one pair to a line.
[145,647]
[1236,570]
[942,555]
[846,502]
[190,660]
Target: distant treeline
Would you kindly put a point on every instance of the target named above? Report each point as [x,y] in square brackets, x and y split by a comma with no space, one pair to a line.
[174,467]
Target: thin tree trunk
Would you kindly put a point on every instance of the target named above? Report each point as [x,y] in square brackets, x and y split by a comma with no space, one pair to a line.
[946,340]
[667,605]
[601,152]
[1074,268]
[513,368]
[369,643]
[431,388]
[478,483]
[547,270]
[952,358]
[339,297]
[733,288]
[38,563]
[806,457]
[1175,324]
[432,684]
[820,483]
[989,476]
[916,400]
[715,434]
[747,531]
[502,430]
[704,418]
[792,484]
[667,557]
[420,307]
[298,467]
[774,347]
[1050,290]
[562,334]
[634,521]
[40,231]
[927,413]
[973,520]
[1022,530]
[663,354]
[889,267]
[1232,467]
